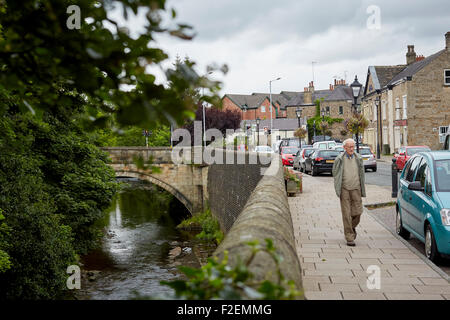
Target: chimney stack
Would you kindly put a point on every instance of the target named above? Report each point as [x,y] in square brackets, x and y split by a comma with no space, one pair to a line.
[410,55]
[447,41]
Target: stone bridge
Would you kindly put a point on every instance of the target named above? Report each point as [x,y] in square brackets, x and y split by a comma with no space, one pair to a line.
[187,182]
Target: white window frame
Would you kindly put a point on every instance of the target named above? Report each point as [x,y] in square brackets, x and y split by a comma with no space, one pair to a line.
[383,109]
[397,109]
[446,78]
[405,107]
[341,110]
[263,108]
[443,130]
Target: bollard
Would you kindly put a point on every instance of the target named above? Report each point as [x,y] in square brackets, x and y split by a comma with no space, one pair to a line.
[394,178]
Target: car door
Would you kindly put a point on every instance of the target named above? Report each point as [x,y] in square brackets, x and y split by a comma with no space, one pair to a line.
[405,194]
[308,160]
[419,200]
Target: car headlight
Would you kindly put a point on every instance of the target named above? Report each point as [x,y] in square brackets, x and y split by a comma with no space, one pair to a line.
[445,216]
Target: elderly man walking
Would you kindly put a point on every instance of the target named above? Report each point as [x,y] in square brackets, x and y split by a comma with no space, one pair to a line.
[348,173]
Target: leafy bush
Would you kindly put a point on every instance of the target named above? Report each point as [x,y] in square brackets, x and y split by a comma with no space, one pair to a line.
[207,223]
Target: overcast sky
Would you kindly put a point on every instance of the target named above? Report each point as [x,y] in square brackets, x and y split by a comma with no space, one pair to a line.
[261,40]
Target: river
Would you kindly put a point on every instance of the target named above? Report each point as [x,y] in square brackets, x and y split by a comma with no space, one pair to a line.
[134,254]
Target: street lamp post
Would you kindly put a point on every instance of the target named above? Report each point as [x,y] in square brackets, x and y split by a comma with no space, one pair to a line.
[270,107]
[257,131]
[356,88]
[314,127]
[204,122]
[377,103]
[298,112]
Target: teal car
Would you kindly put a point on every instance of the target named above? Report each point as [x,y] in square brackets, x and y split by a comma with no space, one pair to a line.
[423,202]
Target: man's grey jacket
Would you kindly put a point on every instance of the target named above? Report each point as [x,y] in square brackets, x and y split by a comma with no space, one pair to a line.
[338,171]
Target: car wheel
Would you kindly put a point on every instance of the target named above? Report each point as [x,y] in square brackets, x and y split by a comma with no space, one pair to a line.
[301,168]
[402,232]
[374,169]
[430,245]
[314,171]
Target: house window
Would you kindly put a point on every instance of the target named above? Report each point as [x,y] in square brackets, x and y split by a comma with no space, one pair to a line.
[447,77]
[341,110]
[397,109]
[404,108]
[263,108]
[327,110]
[383,109]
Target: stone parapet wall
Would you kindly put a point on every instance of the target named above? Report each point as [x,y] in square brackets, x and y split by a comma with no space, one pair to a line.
[266,215]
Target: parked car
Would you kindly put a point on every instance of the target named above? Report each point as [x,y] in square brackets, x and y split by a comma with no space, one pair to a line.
[423,203]
[404,153]
[320,161]
[287,155]
[339,148]
[324,145]
[299,159]
[290,142]
[369,160]
[263,149]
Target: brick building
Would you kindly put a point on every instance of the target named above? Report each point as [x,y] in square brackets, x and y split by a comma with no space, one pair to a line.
[257,104]
[414,101]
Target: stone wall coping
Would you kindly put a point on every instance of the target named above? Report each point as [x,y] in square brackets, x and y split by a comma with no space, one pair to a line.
[265,215]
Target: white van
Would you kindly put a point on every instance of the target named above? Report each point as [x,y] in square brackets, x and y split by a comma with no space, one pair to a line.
[324,145]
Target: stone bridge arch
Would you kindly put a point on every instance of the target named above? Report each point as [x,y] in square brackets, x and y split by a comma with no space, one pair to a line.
[188,183]
[152,179]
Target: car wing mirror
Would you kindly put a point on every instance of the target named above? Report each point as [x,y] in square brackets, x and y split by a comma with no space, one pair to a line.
[416,186]
[402,154]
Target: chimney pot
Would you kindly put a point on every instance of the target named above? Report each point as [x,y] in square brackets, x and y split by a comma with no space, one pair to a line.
[410,55]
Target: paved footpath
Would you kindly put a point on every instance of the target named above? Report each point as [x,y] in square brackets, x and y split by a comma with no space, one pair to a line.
[333,271]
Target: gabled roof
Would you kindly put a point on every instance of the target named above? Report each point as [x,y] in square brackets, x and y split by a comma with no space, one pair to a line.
[252,101]
[415,67]
[340,93]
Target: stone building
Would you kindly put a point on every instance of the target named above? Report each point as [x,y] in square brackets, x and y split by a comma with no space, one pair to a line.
[335,102]
[414,101]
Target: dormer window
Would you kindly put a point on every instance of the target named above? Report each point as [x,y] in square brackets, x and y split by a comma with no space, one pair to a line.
[447,77]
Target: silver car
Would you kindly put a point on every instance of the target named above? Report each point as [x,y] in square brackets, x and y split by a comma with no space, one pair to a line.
[299,159]
[369,160]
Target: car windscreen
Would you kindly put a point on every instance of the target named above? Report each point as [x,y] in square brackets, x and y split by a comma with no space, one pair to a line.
[413,151]
[365,151]
[328,153]
[290,150]
[264,149]
[308,152]
[442,173]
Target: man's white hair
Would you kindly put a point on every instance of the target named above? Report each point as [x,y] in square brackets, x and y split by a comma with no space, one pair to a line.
[348,140]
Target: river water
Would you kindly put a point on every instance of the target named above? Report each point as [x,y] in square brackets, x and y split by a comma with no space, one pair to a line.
[134,254]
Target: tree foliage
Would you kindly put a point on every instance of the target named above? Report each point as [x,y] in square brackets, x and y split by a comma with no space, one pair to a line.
[215,118]
[40,57]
